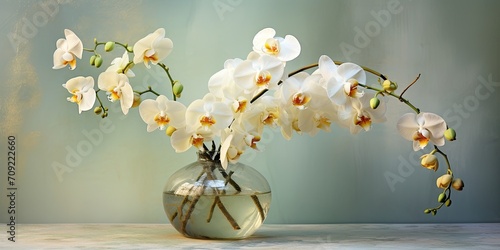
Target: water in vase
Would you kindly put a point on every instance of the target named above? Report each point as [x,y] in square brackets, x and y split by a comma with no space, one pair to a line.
[224,216]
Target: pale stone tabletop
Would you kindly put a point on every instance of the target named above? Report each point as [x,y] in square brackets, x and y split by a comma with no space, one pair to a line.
[320,236]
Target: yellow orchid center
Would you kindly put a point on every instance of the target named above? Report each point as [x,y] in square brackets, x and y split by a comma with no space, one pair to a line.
[323,122]
[254,142]
[69,58]
[207,121]
[72,63]
[240,106]
[364,121]
[197,140]
[421,138]
[114,94]
[351,87]
[270,118]
[300,99]
[272,46]
[262,79]
[150,56]
[162,120]
[76,97]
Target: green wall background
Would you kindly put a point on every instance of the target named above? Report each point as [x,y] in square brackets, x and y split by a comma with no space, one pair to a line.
[329,178]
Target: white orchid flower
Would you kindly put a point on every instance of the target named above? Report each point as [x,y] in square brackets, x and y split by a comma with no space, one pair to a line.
[67,50]
[256,74]
[119,64]
[341,82]
[208,114]
[312,121]
[223,87]
[268,110]
[422,128]
[117,87]
[285,49]
[153,48]
[183,139]
[162,112]
[82,90]
[361,116]
[304,91]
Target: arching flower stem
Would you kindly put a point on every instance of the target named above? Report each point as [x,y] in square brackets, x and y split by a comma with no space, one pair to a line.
[172,81]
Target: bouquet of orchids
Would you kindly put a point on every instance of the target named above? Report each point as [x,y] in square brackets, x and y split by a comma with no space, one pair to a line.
[237,108]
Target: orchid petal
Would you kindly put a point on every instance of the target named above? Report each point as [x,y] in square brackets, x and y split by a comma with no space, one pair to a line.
[351,70]
[407,125]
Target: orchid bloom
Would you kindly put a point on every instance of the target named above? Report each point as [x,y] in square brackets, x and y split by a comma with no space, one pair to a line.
[208,114]
[304,91]
[341,82]
[285,49]
[119,65]
[258,73]
[307,102]
[422,128]
[361,115]
[82,90]
[117,87]
[152,48]
[162,112]
[269,110]
[223,87]
[183,139]
[68,50]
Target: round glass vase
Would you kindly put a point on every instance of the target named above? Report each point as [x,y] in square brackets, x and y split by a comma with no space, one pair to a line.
[203,200]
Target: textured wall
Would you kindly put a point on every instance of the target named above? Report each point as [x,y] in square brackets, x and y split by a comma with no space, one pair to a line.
[335,177]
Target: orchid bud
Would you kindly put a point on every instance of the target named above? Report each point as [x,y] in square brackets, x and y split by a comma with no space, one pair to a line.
[427,211]
[389,86]
[97,110]
[444,181]
[450,134]
[109,46]
[170,130]
[137,100]
[177,89]
[458,184]
[442,197]
[92,60]
[98,61]
[429,161]
[374,102]
[130,49]
[448,203]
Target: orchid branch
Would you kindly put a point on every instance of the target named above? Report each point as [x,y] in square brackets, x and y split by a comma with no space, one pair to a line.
[149,90]
[172,81]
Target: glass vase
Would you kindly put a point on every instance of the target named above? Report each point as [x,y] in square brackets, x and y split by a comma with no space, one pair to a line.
[203,200]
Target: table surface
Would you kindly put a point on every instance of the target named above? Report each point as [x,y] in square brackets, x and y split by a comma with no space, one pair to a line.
[314,236]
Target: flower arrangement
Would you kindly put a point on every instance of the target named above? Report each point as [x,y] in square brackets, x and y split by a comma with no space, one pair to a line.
[250,94]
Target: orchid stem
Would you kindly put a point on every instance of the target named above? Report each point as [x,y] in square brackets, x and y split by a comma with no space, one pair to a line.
[414,81]
[172,82]
[150,90]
